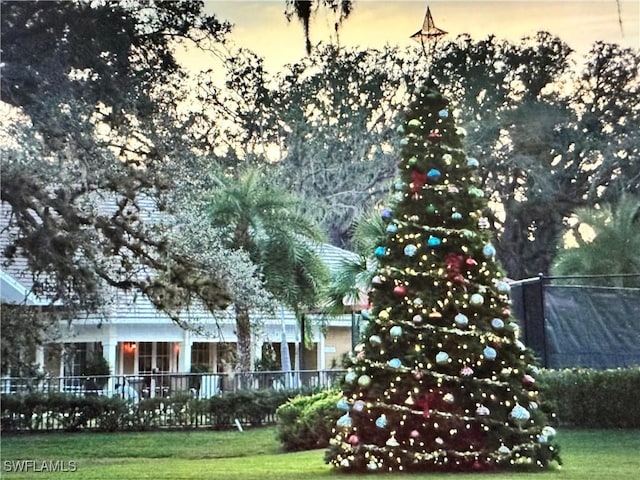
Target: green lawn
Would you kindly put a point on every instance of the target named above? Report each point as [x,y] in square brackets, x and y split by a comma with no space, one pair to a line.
[255,454]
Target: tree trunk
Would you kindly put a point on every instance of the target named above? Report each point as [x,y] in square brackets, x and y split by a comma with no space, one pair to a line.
[243,333]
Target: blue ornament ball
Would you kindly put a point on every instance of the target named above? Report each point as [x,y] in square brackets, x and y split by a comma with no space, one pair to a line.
[461,319]
[410,250]
[497,323]
[395,363]
[489,353]
[489,250]
[434,174]
[472,162]
[442,358]
[456,216]
[381,421]
[345,421]
[343,405]
[350,377]
[519,414]
[434,241]
[386,213]
[380,252]
[444,113]
[395,331]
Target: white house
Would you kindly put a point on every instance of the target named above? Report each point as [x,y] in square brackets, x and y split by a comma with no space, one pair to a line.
[136,339]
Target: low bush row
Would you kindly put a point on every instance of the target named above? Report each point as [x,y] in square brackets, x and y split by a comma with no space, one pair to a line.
[60,411]
[580,397]
[590,398]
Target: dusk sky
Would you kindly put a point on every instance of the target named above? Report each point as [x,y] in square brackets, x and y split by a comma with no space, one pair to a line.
[262,26]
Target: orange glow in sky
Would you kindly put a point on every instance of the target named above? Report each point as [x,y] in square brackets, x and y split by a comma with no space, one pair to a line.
[262,27]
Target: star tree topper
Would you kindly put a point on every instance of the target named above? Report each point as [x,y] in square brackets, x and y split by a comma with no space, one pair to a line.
[429,35]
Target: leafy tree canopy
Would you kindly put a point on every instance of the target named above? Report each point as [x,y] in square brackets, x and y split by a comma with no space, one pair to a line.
[88,149]
[551,134]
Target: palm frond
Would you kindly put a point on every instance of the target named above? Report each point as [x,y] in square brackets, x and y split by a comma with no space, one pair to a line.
[615,249]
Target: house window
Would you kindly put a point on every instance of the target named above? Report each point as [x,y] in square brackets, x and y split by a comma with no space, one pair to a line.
[201,356]
[153,356]
[75,359]
[163,358]
[145,357]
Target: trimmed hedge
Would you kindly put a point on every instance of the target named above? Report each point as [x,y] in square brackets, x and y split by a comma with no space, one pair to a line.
[580,397]
[61,411]
[593,398]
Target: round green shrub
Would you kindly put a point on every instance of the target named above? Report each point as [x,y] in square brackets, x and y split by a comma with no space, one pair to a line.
[305,422]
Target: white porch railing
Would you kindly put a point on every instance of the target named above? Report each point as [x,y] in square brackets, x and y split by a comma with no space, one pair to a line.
[148,385]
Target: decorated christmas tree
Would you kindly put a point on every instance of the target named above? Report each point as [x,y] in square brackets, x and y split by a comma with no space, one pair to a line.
[441,380]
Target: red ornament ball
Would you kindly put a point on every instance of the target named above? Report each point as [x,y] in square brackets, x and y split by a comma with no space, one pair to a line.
[400,290]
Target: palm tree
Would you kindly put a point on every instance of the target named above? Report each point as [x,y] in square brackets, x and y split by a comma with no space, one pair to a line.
[614,248]
[351,283]
[266,222]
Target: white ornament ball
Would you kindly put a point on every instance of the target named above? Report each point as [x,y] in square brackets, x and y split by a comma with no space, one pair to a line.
[358,405]
[476,300]
[504,450]
[482,411]
[364,380]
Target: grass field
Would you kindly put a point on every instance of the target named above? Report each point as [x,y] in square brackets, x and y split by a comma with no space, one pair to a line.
[256,455]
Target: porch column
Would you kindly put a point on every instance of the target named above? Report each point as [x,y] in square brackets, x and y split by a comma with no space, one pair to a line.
[184,358]
[39,359]
[322,355]
[109,353]
[257,350]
